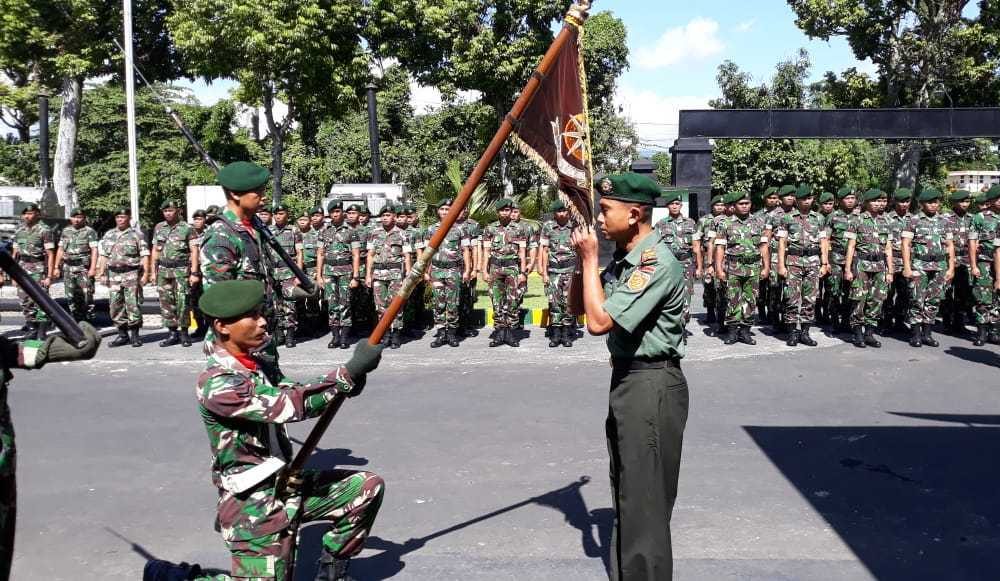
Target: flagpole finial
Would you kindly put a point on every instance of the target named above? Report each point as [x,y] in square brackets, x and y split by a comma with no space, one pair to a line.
[578,12]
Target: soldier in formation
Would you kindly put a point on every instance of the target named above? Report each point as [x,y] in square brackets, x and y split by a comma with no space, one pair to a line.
[837,309]
[467,300]
[505,249]
[897,302]
[124,268]
[311,309]
[742,261]
[338,271]
[450,268]
[677,232]
[285,309]
[175,270]
[958,296]
[388,263]
[34,251]
[557,264]
[984,265]
[803,258]
[76,264]
[928,265]
[198,224]
[868,267]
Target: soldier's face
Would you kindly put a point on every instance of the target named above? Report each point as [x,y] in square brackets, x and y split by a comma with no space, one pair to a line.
[30,217]
[352,216]
[199,222]
[996,205]
[364,218]
[250,202]
[903,207]
[246,334]
[77,220]
[963,206]
[388,219]
[515,214]
[411,219]
[465,213]
[827,207]
[561,216]
[849,202]
[618,219]
[743,208]
[316,220]
[504,215]
[772,201]
[804,204]
[122,221]
[337,215]
[265,217]
[443,211]
[674,208]
[303,223]
[788,201]
[931,208]
[170,214]
[281,218]
[718,208]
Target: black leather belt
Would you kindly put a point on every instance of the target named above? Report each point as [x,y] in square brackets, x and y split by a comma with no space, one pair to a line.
[81,261]
[387,266]
[503,262]
[803,252]
[174,263]
[872,256]
[30,259]
[571,262]
[743,259]
[932,257]
[121,269]
[639,363]
[684,255]
[447,263]
[337,262]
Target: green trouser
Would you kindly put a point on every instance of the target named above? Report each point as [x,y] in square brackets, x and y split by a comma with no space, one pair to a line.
[124,298]
[338,299]
[284,305]
[79,291]
[801,291]
[868,292]
[504,291]
[557,291]
[647,412]
[926,291]
[446,289]
[987,301]
[31,311]
[741,291]
[173,288]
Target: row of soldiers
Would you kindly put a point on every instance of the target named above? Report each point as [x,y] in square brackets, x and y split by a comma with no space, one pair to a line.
[860,261]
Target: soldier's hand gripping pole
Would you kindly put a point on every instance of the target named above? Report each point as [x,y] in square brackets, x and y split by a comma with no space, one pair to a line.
[63,321]
[577,14]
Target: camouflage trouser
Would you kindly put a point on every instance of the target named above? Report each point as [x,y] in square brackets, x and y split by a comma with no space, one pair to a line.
[688,266]
[338,299]
[708,297]
[557,292]
[801,291]
[834,291]
[467,303]
[173,287]
[8,483]
[124,298]
[385,291]
[349,500]
[898,302]
[926,291]
[958,296]
[79,291]
[868,291]
[446,286]
[32,313]
[284,305]
[775,292]
[721,299]
[504,290]
[741,296]
[987,307]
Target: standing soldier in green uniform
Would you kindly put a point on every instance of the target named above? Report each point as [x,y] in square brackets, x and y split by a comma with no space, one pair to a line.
[776,284]
[26,354]
[124,268]
[76,263]
[838,308]
[958,296]
[678,233]
[285,310]
[474,232]
[557,262]
[361,297]
[827,204]
[506,246]
[704,238]
[245,402]
[898,301]
[34,251]
[316,219]
[530,236]
[928,265]
[309,309]
[638,303]
[198,219]
[742,261]
[803,259]
[771,200]
[231,247]
[718,223]
[339,260]
[175,268]
[450,268]
[984,256]
[406,220]
[388,264]
[868,267]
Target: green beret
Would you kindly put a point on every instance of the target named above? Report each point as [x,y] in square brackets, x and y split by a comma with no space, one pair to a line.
[279,208]
[771,191]
[411,208]
[902,194]
[168,204]
[874,194]
[32,207]
[804,191]
[229,299]
[388,208]
[991,194]
[363,208]
[199,214]
[264,210]
[787,190]
[739,197]
[213,209]
[121,210]
[825,197]
[445,202]
[504,203]
[557,205]
[353,208]
[243,176]
[960,195]
[844,192]
[718,199]
[334,205]
[76,212]
[929,195]
[633,187]
[671,196]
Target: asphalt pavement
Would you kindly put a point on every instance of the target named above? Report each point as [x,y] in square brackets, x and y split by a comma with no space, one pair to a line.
[821,463]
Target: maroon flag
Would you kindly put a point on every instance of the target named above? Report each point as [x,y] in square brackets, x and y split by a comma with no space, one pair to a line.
[554,131]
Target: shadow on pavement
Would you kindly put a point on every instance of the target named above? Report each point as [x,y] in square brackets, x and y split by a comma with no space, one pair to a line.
[331,458]
[984,356]
[594,526]
[971,420]
[913,503]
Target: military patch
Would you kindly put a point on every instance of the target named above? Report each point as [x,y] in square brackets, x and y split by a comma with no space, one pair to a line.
[648,256]
[638,280]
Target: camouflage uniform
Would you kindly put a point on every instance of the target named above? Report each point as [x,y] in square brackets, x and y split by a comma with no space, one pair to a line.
[530,236]
[32,245]
[928,261]
[337,244]
[561,267]
[290,239]
[897,302]
[803,234]
[721,293]
[124,251]
[741,239]
[446,275]
[245,410]
[700,236]
[986,231]
[776,284]
[198,288]
[76,244]
[231,250]
[388,265]
[502,244]
[870,286]
[467,302]
[310,307]
[678,234]
[836,288]
[413,311]
[173,244]
[361,297]
[958,296]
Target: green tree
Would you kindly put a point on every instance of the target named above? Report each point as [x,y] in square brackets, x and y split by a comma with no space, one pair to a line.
[605,54]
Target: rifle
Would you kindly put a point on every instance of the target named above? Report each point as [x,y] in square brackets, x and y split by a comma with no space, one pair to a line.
[63,321]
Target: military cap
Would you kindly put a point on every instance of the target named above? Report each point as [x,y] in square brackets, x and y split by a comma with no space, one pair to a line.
[363,208]
[168,204]
[991,194]
[32,207]
[317,210]
[334,205]
[229,299]
[673,195]
[557,205]
[411,208]
[844,192]
[803,191]
[76,212]
[445,202]
[504,203]
[265,210]
[718,199]
[353,208]
[826,197]
[771,191]
[242,176]
[213,209]
[123,210]
[902,194]
[634,188]
[929,195]
[737,197]
[787,190]
[388,208]
[874,194]
[278,208]
[199,214]
[960,195]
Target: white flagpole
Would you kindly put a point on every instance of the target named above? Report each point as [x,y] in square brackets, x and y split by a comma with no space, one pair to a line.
[133,172]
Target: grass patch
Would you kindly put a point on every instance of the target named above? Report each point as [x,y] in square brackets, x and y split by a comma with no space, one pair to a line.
[533,299]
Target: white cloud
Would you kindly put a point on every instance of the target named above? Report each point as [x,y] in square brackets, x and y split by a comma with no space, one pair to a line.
[655,116]
[425,99]
[746,25]
[695,41]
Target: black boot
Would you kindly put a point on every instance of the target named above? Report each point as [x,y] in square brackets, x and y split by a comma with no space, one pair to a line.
[452,336]
[498,337]
[981,335]
[916,335]
[927,338]
[345,337]
[568,336]
[121,339]
[158,570]
[173,338]
[512,339]
[793,338]
[870,339]
[804,337]
[394,339]
[548,330]
[332,569]
[470,332]
[731,336]
[994,336]
[710,319]
[334,338]
[440,338]
[133,334]
[290,338]
[185,338]
[859,337]
[556,335]
[279,336]
[745,336]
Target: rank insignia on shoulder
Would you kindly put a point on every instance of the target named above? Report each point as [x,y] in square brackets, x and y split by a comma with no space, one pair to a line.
[648,256]
[638,280]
